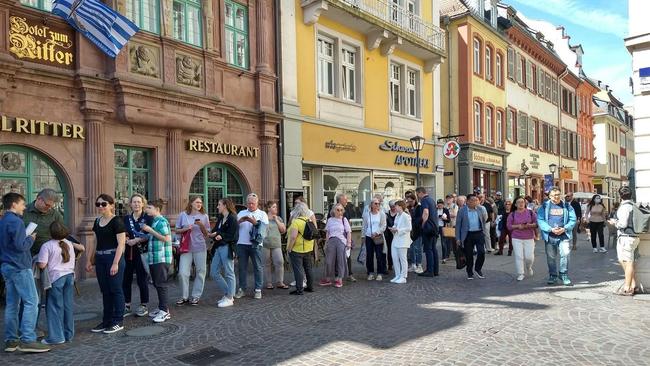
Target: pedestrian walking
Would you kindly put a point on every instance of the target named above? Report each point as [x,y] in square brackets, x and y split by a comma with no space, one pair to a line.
[470,235]
[338,245]
[521,225]
[443,218]
[159,257]
[415,250]
[108,259]
[627,241]
[556,220]
[272,249]
[253,224]
[58,257]
[578,210]
[489,219]
[300,250]
[503,227]
[195,221]
[225,235]
[429,232]
[136,247]
[16,268]
[401,242]
[597,215]
[373,227]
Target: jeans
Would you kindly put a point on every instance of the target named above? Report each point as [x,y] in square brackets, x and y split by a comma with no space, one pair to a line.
[221,261]
[19,284]
[302,267]
[374,250]
[431,253]
[474,240]
[159,275]
[524,254]
[111,288]
[445,244]
[135,265]
[60,321]
[244,252]
[596,229]
[552,249]
[415,252]
[200,260]
[273,258]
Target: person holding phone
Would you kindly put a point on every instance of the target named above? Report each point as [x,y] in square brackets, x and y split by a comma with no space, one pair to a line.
[195,220]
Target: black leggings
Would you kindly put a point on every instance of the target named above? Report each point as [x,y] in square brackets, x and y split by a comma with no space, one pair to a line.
[596,228]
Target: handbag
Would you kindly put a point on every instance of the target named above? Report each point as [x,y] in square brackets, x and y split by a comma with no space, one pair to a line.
[186,240]
[459,254]
[448,232]
[379,239]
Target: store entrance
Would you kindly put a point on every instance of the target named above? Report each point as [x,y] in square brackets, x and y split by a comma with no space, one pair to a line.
[486,180]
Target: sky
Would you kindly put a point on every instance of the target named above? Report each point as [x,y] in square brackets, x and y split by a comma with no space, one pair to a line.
[599,26]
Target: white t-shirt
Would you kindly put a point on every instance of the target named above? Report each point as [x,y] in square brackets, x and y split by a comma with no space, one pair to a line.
[375,221]
[245,226]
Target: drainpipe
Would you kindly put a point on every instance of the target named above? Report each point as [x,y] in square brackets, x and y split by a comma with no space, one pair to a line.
[446,21]
[278,103]
[559,121]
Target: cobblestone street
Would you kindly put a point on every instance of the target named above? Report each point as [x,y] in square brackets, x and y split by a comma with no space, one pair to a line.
[446,320]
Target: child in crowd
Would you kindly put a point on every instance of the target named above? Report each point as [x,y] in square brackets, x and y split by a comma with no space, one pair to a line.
[160,257]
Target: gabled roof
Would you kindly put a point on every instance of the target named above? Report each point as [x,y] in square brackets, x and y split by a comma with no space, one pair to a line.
[452,8]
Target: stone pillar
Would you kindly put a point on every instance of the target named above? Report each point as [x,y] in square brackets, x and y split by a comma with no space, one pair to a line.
[267,157]
[264,27]
[175,192]
[94,159]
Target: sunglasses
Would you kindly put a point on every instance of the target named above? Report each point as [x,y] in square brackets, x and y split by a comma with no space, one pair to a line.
[101,204]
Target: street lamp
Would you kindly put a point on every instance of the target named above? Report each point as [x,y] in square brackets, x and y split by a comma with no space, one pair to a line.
[417,143]
[552,168]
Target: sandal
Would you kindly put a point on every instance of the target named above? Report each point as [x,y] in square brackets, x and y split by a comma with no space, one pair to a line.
[625,293]
[283,286]
[269,287]
[182,302]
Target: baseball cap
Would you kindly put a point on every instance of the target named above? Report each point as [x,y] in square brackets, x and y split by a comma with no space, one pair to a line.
[498,193]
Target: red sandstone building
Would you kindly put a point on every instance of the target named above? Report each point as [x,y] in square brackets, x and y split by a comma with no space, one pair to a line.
[188,106]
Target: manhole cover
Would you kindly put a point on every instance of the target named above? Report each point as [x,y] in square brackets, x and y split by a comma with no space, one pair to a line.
[80,317]
[147,331]
[203,356]
[579,295]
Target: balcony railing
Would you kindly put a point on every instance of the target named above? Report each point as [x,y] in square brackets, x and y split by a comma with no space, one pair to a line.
[409,23]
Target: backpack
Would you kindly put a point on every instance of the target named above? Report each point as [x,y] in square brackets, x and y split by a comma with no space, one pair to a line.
[311,231]
[638,220]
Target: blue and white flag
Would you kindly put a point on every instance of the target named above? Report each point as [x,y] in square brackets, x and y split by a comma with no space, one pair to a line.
[106,28]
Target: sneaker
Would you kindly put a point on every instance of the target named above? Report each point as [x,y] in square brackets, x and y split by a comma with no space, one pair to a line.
[351,279]
[240,293]
[379,278]
[11,346]
[142,310]
[338,283]
[182,302]
[153,313]
[113,329]
[161,317]
[394,279]
[595,250]
[258,294]
[371,277]
[293,283]
[412,268]
[470,277]
[565,280]
[226,302]
[99,328]
[194,301]
[325,282]
[44,341]
[603,250]
[33,347]
[419,269]
[479,274]
[127,310]
[552,280]
[520,277]
[401,280]
[530,272]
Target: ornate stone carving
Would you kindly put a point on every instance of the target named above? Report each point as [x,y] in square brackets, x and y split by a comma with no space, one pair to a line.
[188,71]
[144,60]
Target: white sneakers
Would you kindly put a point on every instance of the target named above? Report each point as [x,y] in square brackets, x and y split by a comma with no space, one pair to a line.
[225,302]
[398,280]
[379,278]
[419,269]
[161,316]
[603,250]
[520,277]
[371,277]
[412,268]
[530,271]
[258,294]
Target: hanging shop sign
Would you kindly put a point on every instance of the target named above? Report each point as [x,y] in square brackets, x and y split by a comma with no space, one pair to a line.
[39,127]
[219,148]
[451,149]
[489,159]
[48,44]
[566,174]
[338,146]
[402,159]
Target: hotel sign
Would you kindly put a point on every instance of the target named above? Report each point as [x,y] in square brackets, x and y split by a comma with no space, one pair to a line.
[39,127]
[222,149]
[43,44]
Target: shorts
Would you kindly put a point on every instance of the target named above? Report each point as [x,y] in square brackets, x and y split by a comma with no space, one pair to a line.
[626,247]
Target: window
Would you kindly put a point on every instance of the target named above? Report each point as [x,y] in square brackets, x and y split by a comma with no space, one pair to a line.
[348,77]
[511,64]
[498,70]
[488,63]
[552,140]
[520,72]
[542,132]
[532,133]
[411,93]
[499,128]
[411,7]
[132,175]
[622,139]
[533,86]
[522,129]
[547,92]
[236,34]
[187,21]
[554,92]
[478,123]
[325,66]
[564,143]
[214,182]
[395,91]
[477,56]
[145,14]
[510,126]
[540,82]
[489,138]
[38,4]
[529,75]
[568,102]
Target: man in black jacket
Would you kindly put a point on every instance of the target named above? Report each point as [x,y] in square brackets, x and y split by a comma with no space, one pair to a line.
[576,207]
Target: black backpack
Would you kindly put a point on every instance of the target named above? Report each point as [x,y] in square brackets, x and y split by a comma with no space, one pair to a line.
[311,231]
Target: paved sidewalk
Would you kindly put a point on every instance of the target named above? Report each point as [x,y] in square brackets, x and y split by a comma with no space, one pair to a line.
[446,320]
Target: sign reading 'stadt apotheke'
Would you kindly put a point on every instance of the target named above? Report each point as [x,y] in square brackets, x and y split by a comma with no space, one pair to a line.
[39,127]
[489,159]
[222,149]
[30,40]
[401,159]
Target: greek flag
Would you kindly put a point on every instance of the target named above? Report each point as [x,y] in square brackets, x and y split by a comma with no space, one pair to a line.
[106,28]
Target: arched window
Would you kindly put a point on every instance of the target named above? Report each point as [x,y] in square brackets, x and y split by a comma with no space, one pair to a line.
[216,181]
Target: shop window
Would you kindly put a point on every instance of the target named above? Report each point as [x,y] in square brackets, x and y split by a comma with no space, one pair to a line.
[355,184]
[27,172]
[132,175]
[236,34]
[38,4]
[214,182]
[187,21]
[145,14]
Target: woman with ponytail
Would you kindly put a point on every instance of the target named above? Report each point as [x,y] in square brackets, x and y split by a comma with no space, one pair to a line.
[57,255]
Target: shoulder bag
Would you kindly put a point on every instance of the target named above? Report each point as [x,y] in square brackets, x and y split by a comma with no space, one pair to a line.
[378,239]
[186,239]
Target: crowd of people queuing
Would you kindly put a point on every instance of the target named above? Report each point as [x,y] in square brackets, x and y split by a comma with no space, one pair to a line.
[40,264]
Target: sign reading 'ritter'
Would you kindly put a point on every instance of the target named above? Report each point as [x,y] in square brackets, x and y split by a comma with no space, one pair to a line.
[222,149]
[38,127]
[40,43]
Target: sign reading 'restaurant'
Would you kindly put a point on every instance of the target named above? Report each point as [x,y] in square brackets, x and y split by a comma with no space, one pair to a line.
[39,127]
[222,149]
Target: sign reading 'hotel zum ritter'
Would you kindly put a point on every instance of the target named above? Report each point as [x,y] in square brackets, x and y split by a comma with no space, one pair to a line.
[222,149]
[48,44]
[402,159]
[39,127]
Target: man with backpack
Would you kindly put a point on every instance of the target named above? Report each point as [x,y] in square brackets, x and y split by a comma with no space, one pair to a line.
[628,238]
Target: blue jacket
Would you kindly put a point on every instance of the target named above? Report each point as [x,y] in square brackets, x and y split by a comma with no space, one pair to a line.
[462,222]
[569,219]
[15,245]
